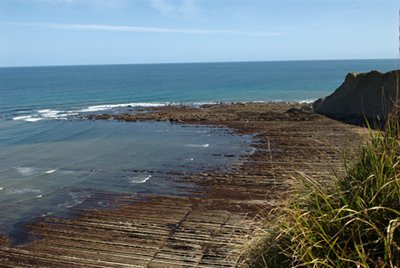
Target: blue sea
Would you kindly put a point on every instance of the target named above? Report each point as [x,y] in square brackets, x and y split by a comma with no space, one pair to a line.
[52,160]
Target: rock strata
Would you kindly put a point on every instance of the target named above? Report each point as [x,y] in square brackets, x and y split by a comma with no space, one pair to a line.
[371,95]
[209,223]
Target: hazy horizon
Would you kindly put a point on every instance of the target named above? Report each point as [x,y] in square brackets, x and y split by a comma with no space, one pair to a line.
[198,62]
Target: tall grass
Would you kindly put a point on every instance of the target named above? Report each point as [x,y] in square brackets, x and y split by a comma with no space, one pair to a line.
[353,223]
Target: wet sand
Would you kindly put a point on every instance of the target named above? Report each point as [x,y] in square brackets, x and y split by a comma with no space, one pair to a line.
[208,226]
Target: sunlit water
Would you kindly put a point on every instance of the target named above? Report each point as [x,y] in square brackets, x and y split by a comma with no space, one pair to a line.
[51,166]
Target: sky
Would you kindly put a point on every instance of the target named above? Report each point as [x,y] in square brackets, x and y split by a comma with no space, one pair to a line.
[79,32]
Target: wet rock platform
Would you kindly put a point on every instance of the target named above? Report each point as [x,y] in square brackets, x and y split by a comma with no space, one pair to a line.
[210,227]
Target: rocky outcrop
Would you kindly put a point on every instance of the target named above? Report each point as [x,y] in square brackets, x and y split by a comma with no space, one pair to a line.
[362,96]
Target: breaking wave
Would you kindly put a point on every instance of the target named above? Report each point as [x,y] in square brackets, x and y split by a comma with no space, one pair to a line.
[30,171]
[66,114]
[27,171]
[63,115]
[198,145]
[143,180]
[23,191]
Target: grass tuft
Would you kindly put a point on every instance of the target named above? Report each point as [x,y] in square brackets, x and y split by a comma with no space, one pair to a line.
[353,223]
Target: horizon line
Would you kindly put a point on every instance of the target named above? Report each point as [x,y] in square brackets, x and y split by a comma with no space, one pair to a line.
[191,62]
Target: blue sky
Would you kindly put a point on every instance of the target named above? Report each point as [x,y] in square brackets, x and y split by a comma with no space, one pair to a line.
[71,32]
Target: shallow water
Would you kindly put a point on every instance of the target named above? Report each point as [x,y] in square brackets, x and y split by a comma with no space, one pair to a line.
[51,166]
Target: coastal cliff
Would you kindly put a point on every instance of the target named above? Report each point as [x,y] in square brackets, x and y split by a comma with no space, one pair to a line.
[369,95]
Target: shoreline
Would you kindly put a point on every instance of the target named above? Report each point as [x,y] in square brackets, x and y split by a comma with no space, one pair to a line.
[85,112]
[182,231]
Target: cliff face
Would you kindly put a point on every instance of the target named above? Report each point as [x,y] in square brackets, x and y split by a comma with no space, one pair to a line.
[365,95]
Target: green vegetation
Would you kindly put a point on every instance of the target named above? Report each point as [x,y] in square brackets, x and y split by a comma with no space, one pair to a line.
[355,222]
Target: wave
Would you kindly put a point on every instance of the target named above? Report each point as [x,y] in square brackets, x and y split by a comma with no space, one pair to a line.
[70,172]
[30,171]
[27,171]
[23,191]
[306,101]
[198,104]
[104,107]
[65,114]
[301,101]
[198,145]
[142,180]
[49,113]
[27,118]
[45,114]
[76,198]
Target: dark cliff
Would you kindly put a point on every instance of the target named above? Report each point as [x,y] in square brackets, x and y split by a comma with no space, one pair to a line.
[371,95]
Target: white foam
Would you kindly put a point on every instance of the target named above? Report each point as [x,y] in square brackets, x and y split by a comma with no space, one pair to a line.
[77,198]
[43,114]
[198,145]
[27,118]
[56,114]
[44,111]
[39,196]
[64,114]
[23,191]
[141,181]
[26,171]
[33,119]
[1,188]
[69,113]
[46,114]
[307,101]
[68,172]
[50,171]
[21,117]
[302,101]
[49,113]
[47,214]
[104,107]
[198,104]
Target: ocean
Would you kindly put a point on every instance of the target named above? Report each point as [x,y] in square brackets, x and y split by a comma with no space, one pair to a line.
[53,161]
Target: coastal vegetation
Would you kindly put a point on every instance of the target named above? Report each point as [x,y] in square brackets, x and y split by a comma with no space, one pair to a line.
[352,222]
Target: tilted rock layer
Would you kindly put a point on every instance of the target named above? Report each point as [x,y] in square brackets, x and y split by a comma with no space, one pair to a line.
[371,95]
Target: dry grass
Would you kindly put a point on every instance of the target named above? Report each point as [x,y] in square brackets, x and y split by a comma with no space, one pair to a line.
[354,222]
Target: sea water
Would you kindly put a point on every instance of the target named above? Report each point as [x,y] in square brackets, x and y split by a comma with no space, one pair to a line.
[51,167]
[52,160]
[53,92]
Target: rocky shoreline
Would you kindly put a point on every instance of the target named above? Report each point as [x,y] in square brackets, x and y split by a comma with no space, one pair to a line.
[210,228]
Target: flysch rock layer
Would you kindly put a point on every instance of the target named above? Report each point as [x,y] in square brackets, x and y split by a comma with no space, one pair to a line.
[210,227]
[370,96]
